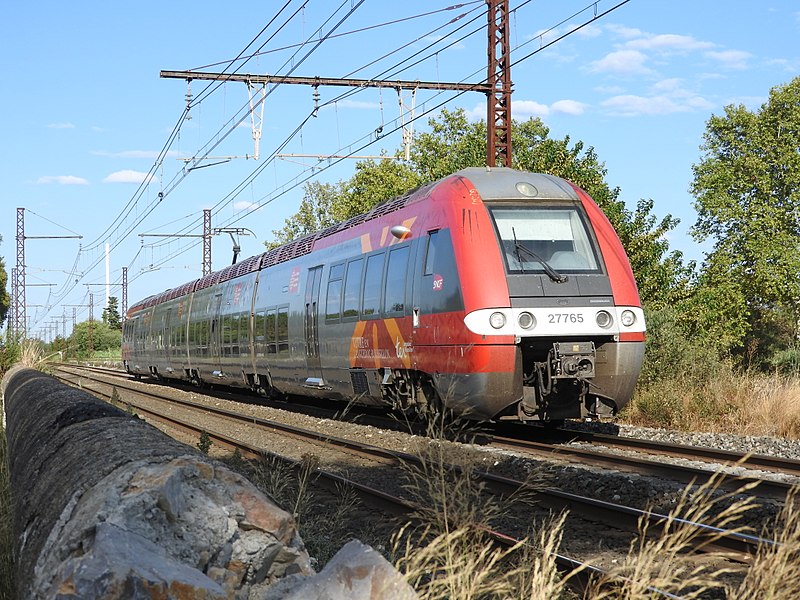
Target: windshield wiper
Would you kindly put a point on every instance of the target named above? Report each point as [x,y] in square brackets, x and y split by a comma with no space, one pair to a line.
[551,272]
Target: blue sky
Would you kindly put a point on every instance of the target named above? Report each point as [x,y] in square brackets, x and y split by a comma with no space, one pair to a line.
[85,114]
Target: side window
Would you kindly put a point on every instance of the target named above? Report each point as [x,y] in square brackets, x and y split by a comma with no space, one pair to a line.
[270,331]
[334,300]
[258,333]
[430,253]
[352,288]
[372,285]
[396,269]
[282,327]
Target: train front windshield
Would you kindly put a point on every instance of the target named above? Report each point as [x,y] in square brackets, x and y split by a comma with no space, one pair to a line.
[540,239]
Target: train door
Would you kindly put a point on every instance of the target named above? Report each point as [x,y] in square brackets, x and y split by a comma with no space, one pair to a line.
[166,337]
[214,333]
[311,321]
[436,288]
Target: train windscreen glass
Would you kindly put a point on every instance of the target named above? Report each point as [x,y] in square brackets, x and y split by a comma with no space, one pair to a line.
[537,240]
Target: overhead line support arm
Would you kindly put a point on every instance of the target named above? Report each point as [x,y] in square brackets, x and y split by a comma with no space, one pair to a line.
[332,81]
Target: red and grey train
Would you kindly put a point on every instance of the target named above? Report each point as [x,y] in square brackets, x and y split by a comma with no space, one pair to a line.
[496,293]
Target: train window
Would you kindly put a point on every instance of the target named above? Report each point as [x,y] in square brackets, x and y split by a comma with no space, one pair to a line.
[394,294]
[244,335]
[337,272]
[555,235]
[430,252]
[371,299]
[270,332]
[333,304]
[352,288]
[282,328]
[227,334]
[334,301]
[258,331]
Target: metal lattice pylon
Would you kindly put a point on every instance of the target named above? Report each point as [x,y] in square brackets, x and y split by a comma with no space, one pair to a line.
[498,114]
[20,320]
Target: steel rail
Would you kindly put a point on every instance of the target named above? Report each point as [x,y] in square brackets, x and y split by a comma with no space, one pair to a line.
[684,473]
[751,460]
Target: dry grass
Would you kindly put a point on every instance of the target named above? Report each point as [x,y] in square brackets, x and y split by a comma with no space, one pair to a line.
[745,404]
[775,573]
[31,354]
[448,552]
[664,562]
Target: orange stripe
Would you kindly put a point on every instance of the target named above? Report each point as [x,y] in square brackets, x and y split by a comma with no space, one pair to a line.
[397,337]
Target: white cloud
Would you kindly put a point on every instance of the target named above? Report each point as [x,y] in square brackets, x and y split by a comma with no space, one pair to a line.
[668,42]
[526,108]
[62,180]
[731,59]
[589,31]
[61,126]
[624,62]
[523,109]
[568,107]
[623,31]
[126,176]
[672,100]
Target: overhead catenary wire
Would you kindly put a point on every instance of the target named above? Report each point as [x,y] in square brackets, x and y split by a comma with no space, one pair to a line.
[298,180]
[104,237]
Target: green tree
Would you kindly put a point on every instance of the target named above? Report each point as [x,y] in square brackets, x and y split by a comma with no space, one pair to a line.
[102,336]
[315,213]
[747,190]
[5,301]
[111,315]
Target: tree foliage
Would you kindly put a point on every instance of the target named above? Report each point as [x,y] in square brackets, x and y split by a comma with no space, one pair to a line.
[5,299]
[96,335]
[747,189]
[111,315]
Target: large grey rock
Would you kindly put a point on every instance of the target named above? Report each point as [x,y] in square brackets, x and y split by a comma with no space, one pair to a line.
[100,498]
[107,506]
[356,572]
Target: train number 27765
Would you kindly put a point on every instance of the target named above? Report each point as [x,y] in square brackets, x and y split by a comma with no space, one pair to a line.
[564,318]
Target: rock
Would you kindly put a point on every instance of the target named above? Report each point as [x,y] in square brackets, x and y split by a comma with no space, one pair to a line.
[356,572]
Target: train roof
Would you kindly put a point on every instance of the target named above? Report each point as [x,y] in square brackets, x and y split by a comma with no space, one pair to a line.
[491,182]
[495,183]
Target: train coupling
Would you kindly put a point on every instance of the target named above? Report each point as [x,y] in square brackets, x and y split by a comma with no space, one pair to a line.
[573,360]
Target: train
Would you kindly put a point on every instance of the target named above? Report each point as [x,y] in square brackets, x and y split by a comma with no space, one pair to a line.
[493,293]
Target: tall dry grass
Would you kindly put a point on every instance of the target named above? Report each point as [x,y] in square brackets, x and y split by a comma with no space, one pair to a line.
[741,403]
[445,551]
[664,561]
[775,572]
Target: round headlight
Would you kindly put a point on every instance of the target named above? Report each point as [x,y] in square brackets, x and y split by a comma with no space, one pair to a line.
[604,319]
[497,320]
[628,318]
[526,320]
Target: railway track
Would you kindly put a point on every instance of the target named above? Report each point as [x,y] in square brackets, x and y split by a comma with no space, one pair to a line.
[644,457]
[735,546]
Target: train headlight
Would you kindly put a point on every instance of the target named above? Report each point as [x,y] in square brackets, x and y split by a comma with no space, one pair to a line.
[526,320]
[497,320]
[628,318]
[604,319]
